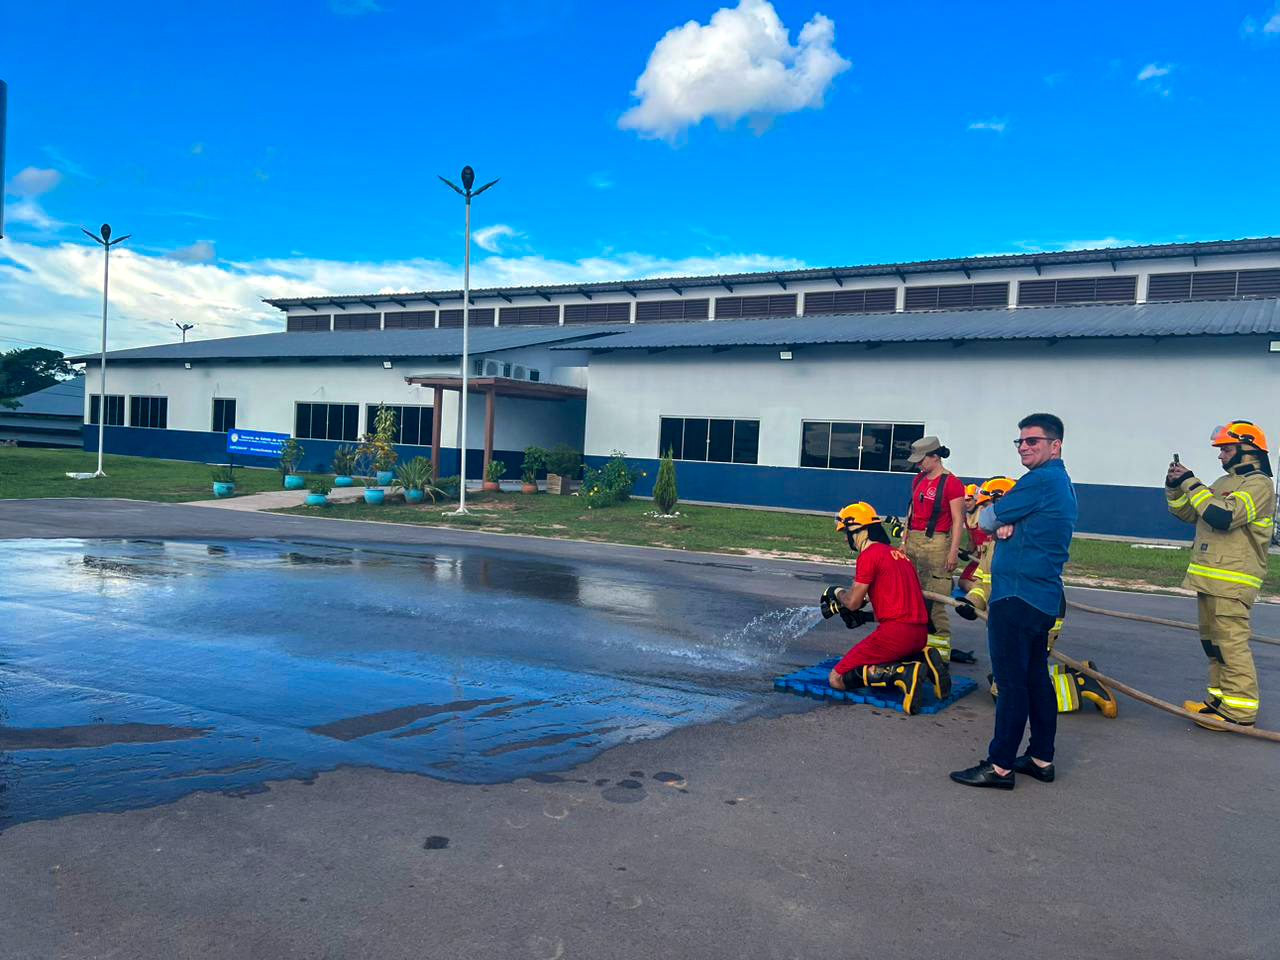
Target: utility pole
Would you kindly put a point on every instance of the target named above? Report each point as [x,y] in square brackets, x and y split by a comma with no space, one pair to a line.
[105,241]
[184,327]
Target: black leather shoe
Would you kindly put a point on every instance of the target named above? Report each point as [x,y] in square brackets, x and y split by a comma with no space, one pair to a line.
[983,775]
[1024,764]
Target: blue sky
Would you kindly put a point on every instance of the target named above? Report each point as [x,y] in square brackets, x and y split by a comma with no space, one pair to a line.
[291,148]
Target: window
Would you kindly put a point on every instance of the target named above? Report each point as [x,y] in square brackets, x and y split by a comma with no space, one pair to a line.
[1033,293]
[858,446]
[543,313]
[357,321]
[224,414]
[149,412]
[305,323]
[413,424]
[1214,284]
[775,305]
[957,296]
[327,421]
[597,313]
[477,315]
[706,438]
[882,300]
[410,320]
[115,409]
[671,310]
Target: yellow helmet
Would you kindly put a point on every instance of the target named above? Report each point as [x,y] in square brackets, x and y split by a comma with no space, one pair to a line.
[994,489]
[856,516]
[970,489]
[1239,431]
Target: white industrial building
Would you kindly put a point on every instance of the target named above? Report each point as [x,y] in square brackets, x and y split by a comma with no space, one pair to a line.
[800,388]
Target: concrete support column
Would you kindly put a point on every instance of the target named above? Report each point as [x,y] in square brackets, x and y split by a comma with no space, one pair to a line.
[437,416]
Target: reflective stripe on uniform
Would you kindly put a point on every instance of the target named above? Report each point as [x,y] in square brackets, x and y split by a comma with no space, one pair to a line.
[979,592]
[1215,692]
[1250,511]
[939,642]
[1228,576]
[1200,496]
[1240,703]
[1064,688]
[1178,501]
[1266,524]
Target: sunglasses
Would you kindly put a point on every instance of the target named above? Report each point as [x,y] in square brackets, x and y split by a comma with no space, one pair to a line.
[1029,441]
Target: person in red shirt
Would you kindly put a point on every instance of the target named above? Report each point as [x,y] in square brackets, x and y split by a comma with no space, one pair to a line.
[896,654]
[935,524]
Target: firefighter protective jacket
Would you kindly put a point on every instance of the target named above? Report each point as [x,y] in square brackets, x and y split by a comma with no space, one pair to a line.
[1234,519]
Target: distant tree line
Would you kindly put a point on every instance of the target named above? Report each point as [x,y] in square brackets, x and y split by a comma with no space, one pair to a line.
[30,369]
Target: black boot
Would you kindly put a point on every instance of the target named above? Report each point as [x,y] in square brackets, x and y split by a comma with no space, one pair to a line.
[937,671]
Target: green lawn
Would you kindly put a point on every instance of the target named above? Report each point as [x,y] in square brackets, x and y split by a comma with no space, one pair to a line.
[37,472]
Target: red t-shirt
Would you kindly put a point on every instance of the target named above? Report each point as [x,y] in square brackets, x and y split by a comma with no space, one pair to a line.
[923,493]
[895,589]
[978,536]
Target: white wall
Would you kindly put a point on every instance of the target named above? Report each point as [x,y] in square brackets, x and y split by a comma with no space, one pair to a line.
[1127,405]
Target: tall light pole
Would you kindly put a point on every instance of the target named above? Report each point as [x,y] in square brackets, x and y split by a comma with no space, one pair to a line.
[184,327]
[106,243]
[468,178]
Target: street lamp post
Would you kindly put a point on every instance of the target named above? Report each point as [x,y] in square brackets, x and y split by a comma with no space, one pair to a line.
[105,241]
[184,327]
[468,178]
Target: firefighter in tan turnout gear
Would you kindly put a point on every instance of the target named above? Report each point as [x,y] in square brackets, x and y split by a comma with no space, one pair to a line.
[1234,519]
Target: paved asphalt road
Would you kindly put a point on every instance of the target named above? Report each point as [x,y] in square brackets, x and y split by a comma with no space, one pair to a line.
[832,832]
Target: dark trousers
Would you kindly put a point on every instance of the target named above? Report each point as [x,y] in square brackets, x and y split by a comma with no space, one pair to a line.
[1018,638]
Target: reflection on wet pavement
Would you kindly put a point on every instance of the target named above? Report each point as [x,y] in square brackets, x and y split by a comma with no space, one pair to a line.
[134,672]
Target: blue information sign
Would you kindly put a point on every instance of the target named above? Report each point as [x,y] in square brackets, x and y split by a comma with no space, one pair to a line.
[256,443]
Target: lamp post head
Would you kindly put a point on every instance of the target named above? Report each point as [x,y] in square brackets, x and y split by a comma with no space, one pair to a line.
[106,231]
[468,178]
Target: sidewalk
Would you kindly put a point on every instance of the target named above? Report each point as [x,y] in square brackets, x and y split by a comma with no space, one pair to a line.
[277,499]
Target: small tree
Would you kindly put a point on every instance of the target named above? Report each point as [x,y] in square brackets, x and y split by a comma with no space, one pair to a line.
[534,460]
[384,432]
[290,456]
[664,487]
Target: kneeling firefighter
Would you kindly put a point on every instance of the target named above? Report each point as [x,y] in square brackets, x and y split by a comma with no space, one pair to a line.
[896,654]
[1234,520]
[1068,685]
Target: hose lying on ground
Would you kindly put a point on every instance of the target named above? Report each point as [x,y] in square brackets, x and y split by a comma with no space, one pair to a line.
[1160,621]
[1136,694]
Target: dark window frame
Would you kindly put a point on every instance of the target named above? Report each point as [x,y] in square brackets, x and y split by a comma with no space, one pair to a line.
[425,420]
[956,296]
[152,411]
[1070,290]
[327,419]
[452,318]
[115,404]
[357,321]
[1253,284]
[757,305]
[607,311]
[819,303]
[531,315]
[685,308]
[409,320]
[218,422]
[895,463]
[706,438]
[305,323]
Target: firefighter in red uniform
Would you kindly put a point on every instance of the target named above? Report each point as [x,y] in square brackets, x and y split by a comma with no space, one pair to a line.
[896,654]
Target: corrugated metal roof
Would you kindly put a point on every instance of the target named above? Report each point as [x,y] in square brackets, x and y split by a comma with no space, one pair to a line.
[65,399]
[1177,319]
[384,344]
[783,277]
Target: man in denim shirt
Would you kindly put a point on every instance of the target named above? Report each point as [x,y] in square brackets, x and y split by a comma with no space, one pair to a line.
[1035,520]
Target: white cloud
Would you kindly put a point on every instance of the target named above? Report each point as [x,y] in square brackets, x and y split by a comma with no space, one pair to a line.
[28,185]
[600,181]
[996,126]
[354,8]
[197,148]
[200,252]
[741,64]
[56,289]
[1153,70]
[487,238]
[1267,31]
[1027,246]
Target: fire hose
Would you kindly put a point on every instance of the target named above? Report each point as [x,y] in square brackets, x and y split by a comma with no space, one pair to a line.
[1132,692]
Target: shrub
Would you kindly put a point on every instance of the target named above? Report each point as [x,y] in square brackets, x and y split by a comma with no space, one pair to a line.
[290,456]
[611,484]
[384,434]
[414,474]
[563,460]
[449,485]
[664,487]
[495,471]
[535,458]
[223,474]
[344,460]
[321,486]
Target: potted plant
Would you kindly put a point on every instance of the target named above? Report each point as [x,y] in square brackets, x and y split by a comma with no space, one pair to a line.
[563,463]
[224,481]
[319,495]
[365,468]
[535,459]
[413,477]
[384,433]
[492,474]
[344,460]
[290,456]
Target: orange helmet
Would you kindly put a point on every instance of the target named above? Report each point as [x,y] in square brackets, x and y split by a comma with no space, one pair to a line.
[1239,431]
[994,489]
[970,489]
[856,516]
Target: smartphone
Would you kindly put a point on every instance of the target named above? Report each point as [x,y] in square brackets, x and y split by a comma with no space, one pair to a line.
[1175,459]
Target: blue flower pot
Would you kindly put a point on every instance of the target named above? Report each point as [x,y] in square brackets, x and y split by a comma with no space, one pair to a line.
[413,496]
[342,481]
[374,496]
[224,489]
[294,482]
[385,477]
[316,500]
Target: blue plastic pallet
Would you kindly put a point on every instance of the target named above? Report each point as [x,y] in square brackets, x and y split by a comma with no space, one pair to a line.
[812,682]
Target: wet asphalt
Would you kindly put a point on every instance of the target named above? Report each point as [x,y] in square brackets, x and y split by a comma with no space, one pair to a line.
[832,831]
